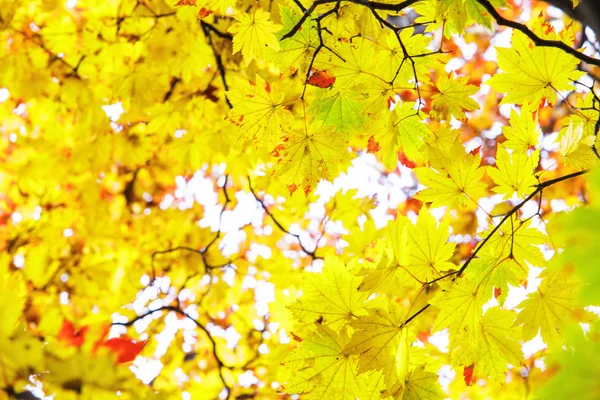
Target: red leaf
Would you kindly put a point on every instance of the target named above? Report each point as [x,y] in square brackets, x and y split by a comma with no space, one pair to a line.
[124,347]
[186,3]
[204,12]
[468,375]
[267,87]
[322,79]
[373,146]
[70,335]
[497,292]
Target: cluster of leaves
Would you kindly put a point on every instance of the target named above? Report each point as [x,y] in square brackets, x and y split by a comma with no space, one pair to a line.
[160,214]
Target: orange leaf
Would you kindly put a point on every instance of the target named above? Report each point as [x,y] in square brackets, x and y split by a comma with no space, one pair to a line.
[373,146]
[322,79]
[405,161]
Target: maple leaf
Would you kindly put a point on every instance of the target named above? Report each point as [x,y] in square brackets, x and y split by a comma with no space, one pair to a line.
[382,343]
[522,134]
[402,130]
[259,110]
[429,247]
[391,273]
[341,109]
[547,309]
[453,98]
[412,130]
[253,34]
[331,295]
[321,367]
[322,79]
[421,385]
[514,173]
[387,277]
[532,73]
[498,344]
[577,148]
[586,115]
[305,157]
[457,184]
[460,307]
[354,65]
[496,271]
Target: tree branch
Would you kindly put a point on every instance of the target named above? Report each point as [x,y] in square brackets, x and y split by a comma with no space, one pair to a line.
[516,208]
[310,253]
[211,339]
[500,20]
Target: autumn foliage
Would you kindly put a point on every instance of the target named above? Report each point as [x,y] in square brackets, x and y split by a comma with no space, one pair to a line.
[313,199]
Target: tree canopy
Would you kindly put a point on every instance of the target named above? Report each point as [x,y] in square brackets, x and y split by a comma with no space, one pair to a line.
[303,199]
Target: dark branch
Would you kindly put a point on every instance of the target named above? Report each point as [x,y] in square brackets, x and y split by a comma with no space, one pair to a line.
[516,208]
[310,253]
[208,29]
[534,38]
[372,5]
[539,189]
[211,339]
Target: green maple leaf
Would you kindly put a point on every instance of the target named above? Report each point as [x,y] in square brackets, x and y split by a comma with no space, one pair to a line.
[341,109]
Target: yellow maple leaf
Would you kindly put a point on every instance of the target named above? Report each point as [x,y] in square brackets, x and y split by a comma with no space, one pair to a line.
[306,156]
[460,307]
[496,270]
[457,182]
[453,98]
[496,347]
[330,296]
[522,134]
[429,247]
[254,34]
[499,344]
[321,367]
[547,309]
[382,343]
[420,384]
[531,74]
[259,111]
[514,173]
[391,273]
[576,148]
